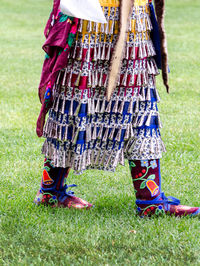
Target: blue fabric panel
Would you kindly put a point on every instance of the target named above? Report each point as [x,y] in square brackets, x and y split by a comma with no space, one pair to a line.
[155,36]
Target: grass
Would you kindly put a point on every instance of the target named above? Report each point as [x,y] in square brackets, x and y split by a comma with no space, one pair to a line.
[110,233]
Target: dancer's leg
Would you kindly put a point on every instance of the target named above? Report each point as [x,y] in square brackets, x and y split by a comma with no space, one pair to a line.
[149,197]
[53,189]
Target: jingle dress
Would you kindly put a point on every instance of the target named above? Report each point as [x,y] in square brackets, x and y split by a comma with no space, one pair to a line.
[84,130]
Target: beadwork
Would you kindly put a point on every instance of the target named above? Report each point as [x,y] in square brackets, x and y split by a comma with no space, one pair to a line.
[86,131]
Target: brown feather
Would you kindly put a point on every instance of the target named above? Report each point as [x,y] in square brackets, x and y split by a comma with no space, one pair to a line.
[160,12]
[126,7]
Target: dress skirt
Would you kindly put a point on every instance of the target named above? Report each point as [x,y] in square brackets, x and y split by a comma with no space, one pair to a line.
[84,130]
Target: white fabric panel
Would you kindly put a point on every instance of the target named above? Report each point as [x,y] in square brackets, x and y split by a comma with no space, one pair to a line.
[84,9]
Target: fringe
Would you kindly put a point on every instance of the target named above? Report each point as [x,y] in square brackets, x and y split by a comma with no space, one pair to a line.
[104,132]
[80,109]
[95,77]
[100,158]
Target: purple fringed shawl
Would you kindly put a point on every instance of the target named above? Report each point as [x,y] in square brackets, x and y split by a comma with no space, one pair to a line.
[60,32]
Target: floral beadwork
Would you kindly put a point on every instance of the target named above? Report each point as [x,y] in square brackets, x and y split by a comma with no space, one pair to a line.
[153,164]
[48,94]
[144,163]
[131,165]
[149,181]
[150,210]
[46,198]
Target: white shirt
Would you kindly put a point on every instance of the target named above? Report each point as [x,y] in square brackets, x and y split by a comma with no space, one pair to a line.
[84,9]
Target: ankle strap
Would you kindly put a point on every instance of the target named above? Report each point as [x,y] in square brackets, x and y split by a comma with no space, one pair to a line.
[62,192]
[161,199]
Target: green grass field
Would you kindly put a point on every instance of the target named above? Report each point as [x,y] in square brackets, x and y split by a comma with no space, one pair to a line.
[110,233]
